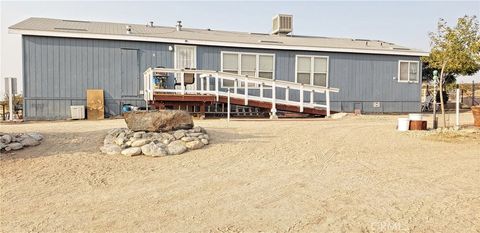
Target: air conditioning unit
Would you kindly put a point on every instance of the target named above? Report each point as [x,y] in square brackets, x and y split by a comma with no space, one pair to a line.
[78,112]
[282,24]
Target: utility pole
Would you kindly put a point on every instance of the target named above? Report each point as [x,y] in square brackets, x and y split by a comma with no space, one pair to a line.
[10,90]
[435,82]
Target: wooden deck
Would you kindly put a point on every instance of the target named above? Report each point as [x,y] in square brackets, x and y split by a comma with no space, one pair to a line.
[161,101]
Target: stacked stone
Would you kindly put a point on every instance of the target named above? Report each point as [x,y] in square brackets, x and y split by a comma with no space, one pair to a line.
[17,141]
[131,143]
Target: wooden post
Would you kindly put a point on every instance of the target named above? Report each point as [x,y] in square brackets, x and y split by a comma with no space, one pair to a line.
[216,85]
[274,102]
[246,91]
[202,110]
[312,95]
[208,82]
[287,94]
[235,86]
[301,98]
[261,90]
[182,82]
[228,105]
[327,100]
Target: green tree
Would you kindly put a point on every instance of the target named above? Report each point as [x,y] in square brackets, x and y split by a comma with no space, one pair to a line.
[455,50]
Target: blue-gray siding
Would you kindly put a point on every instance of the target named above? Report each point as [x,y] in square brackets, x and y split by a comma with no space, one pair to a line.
[57,72]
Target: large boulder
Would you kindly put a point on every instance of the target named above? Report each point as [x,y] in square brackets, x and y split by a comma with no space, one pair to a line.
[158,121]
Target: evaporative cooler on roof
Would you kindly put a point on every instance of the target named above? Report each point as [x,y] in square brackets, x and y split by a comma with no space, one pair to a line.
[282,24]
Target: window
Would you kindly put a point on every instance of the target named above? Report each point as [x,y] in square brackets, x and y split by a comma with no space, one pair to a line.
[251,64]
[230,65]
[312,70]
[265,66]
[408,71]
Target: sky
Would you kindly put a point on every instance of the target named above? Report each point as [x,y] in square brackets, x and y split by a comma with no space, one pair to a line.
[406,23]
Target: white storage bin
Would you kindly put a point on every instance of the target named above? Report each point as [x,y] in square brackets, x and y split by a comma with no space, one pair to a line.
[77,112]
[403,124]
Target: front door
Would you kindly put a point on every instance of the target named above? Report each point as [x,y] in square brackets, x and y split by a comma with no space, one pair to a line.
[130,82]
[185,57]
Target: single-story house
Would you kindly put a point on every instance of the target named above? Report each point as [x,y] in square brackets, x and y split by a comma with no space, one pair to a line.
[63,58]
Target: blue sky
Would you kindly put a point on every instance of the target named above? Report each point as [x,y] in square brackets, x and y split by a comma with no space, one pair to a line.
[406,23]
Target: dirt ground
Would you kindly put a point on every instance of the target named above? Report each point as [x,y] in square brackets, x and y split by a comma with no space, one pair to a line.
[355,174]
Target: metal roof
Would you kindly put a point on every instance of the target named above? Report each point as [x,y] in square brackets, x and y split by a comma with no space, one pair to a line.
[118,31]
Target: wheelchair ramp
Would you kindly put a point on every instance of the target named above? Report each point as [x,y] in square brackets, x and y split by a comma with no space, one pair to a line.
[210,87]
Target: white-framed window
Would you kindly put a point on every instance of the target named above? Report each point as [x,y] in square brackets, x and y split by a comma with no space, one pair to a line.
[311,70]
[408,71]
[259,65]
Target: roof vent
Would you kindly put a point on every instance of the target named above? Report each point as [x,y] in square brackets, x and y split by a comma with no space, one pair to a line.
[129,29]
[282,24]
[179,25]
[270,41]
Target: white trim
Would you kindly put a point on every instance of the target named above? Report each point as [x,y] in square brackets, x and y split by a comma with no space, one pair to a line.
[212,43]
[312,68]
[239,65]
[408,73]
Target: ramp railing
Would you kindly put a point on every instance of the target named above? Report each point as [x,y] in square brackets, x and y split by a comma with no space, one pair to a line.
[208,82]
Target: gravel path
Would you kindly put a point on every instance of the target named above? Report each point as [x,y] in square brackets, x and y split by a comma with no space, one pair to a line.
[355,174]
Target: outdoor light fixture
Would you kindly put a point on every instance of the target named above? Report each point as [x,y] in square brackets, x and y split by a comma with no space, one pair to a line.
[170,48]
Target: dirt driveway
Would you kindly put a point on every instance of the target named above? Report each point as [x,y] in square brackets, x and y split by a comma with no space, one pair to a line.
[356,174]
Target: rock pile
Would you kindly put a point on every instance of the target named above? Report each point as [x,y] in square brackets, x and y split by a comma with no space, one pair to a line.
[131,143]
[17,141]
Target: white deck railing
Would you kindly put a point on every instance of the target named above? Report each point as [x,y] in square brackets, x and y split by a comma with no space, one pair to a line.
[205,77]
